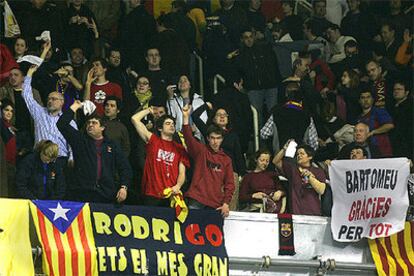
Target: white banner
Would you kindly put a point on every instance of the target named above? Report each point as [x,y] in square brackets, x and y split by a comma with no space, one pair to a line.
[370,197]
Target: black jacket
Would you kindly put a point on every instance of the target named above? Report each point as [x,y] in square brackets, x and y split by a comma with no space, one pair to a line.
[84,152]
[259,67]
[36,180]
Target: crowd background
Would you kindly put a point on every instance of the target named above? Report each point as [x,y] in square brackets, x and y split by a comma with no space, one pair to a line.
[336,76]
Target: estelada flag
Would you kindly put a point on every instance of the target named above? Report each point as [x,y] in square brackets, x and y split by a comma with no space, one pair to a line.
[65,232]
[394,255]
[15,248]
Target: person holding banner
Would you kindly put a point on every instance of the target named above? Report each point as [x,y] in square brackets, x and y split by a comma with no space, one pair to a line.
[166,160]
[212,186]
[306,183]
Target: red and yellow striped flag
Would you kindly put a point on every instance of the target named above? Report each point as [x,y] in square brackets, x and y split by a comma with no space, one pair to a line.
[394,255]
[65,232]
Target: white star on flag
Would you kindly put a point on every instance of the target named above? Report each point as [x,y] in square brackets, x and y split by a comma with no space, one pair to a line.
[59,212]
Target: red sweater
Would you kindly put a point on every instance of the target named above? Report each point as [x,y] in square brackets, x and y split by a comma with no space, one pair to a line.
[99,92]
[213,182]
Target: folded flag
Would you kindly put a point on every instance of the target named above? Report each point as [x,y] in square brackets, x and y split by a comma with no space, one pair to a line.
[394,255]
[65,232]
[177,202]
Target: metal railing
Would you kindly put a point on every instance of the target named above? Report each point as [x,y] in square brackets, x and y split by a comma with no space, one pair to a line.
[200,73]
[255,127]
[216,79]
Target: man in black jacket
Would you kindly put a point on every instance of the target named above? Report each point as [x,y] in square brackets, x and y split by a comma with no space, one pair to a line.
[259,68]
[98,160]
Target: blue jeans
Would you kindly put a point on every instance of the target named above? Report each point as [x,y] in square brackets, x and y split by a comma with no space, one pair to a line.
[266,96]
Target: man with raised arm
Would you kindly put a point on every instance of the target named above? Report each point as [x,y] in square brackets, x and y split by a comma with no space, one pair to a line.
[166,160]
[212,185]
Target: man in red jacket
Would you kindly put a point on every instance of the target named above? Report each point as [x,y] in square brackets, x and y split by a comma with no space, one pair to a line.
[212,185]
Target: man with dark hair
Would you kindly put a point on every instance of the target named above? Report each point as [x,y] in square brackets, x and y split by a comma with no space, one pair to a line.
[97,87]
[258,66]
[309,31]
[402,114]
[135,34]
[98,160]
[166,160]
[80,63]
[358,153]
[116,72]
[337,41]
[114,129]
[319,17]
[307,183]
[379,122]
[212,185]
[388,35]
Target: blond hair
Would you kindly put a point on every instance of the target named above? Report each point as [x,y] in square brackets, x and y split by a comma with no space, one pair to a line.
[47,148]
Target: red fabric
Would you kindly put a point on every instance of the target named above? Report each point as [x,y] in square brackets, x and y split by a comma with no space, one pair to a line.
[100,92]
[272,9]
[10,145]
[213,181]
[161,166]
[324,71]
[7,63]
[98,145]
[266,182]
[341,108]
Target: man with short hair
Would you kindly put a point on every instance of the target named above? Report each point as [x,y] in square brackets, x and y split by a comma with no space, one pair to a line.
[402,114]
[114,129]
[116,72]
[380,85]
[358,153]
[319,17]
[379,121]
[212,185]
[361,131]
[97,87]
[337,43]
[80,64]
[166,160]
[45,118]
[98,160]
[389,40]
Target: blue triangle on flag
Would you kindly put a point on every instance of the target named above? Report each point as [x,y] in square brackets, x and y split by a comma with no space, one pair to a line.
[60,213]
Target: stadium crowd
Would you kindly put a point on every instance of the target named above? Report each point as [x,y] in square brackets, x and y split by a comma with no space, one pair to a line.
[99,102]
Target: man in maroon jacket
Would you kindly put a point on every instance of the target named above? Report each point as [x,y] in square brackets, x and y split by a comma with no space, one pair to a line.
[212,185]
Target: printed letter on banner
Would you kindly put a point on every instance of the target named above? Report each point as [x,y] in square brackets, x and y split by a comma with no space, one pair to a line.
[369,198]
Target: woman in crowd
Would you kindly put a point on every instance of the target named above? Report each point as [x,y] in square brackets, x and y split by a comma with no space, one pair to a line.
[349,91]
[8,136]
[176,102]
[307,183]
[260,186]
[20,47]
[39,176]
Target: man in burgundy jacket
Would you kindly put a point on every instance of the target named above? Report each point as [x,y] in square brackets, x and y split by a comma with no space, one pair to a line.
[212,185]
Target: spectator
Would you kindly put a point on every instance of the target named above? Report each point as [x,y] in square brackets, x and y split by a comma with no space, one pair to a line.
[136,32]
[390,41]
[353,59]
[262,184]
[348,89]
[158,77]
[379,122]
[212,185]
[79,25]
[20,47]
[309,29]
[361,138]
[230,144]
[401,112]
[172,47]
[97,87]
[358,153]
[107,13]
[284,116]
[323,79]
[318,18]
[258,66]
[80,64]
[292,22]
[182,24]
[68,85]
[166,160]
[307,183]
[380,84]
[98,160]
[116,72]
[398,17]
[234,18]
[39,176]
[337,41]
[256,19]
[176,102]
[8,136]
[114,129]
[45,119]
